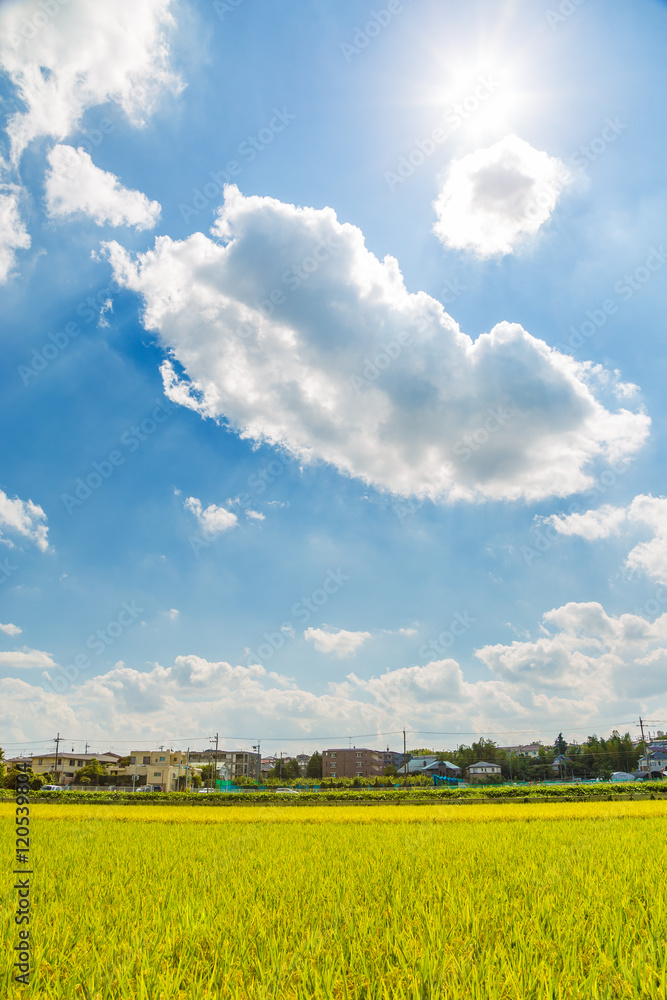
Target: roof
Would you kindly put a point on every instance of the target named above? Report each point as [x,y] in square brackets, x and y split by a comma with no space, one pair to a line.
[442,763]
[484,763]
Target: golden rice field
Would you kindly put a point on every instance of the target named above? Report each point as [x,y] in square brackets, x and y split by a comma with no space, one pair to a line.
[556,901]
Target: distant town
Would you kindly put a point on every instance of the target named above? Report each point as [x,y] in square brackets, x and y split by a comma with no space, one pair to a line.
[485,762]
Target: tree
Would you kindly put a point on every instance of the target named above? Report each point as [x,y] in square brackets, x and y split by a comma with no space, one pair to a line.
[2,766]
[286,769]
[560,744]
[91,773]
[208,771]
[314,766]
[35,780]
[390,771]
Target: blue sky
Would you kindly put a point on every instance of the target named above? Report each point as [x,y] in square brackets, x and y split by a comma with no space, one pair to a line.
[218,512]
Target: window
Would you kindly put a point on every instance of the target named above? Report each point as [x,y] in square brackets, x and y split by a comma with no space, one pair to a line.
[160,758]
[157,774]
[133,760]
[332,754]
[79,763]
[39,761]
[146,760]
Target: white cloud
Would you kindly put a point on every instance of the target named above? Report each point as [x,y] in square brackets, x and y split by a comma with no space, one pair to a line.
[172,614]
[25,518]
[441,415]
[84,54]
[26,659]
[213,520]
[254,515]
[13,233]
[341,643]
[587,671]
[648,557]
[74,184]
[11,629]
[586,652]
[494,198]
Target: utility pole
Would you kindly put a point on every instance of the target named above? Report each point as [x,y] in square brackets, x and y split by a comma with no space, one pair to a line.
[57,748]
[405,759]
[187,768]
[86,750]
[510,757]
[216,754]
[259,762]
[648,769]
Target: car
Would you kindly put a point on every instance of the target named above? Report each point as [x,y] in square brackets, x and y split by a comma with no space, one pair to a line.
[286,791]
[52,788]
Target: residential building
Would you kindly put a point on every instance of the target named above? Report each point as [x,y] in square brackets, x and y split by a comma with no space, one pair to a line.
[657,760]
[352,762]
[230,764]
[430,765]
[67,764]
[164,769]
[482,771]
[391,758]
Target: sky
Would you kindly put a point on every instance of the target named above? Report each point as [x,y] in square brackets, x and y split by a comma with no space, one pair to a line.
[333,383]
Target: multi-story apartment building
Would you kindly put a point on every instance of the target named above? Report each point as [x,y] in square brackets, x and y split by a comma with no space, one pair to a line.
[352,762]
[230,764]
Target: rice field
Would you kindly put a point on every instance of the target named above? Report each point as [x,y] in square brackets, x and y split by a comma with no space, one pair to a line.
[556,901]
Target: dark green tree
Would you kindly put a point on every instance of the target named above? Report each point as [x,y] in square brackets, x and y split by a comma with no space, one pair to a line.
[314,766]
[560,744]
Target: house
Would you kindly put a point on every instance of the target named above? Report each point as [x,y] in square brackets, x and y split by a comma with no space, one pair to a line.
[431,765]
[482,771]
[352,762]
[657,761]
[64,767]
[560,763]
[164,769]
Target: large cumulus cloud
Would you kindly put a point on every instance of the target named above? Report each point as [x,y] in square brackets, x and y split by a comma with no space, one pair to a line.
[293,332]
